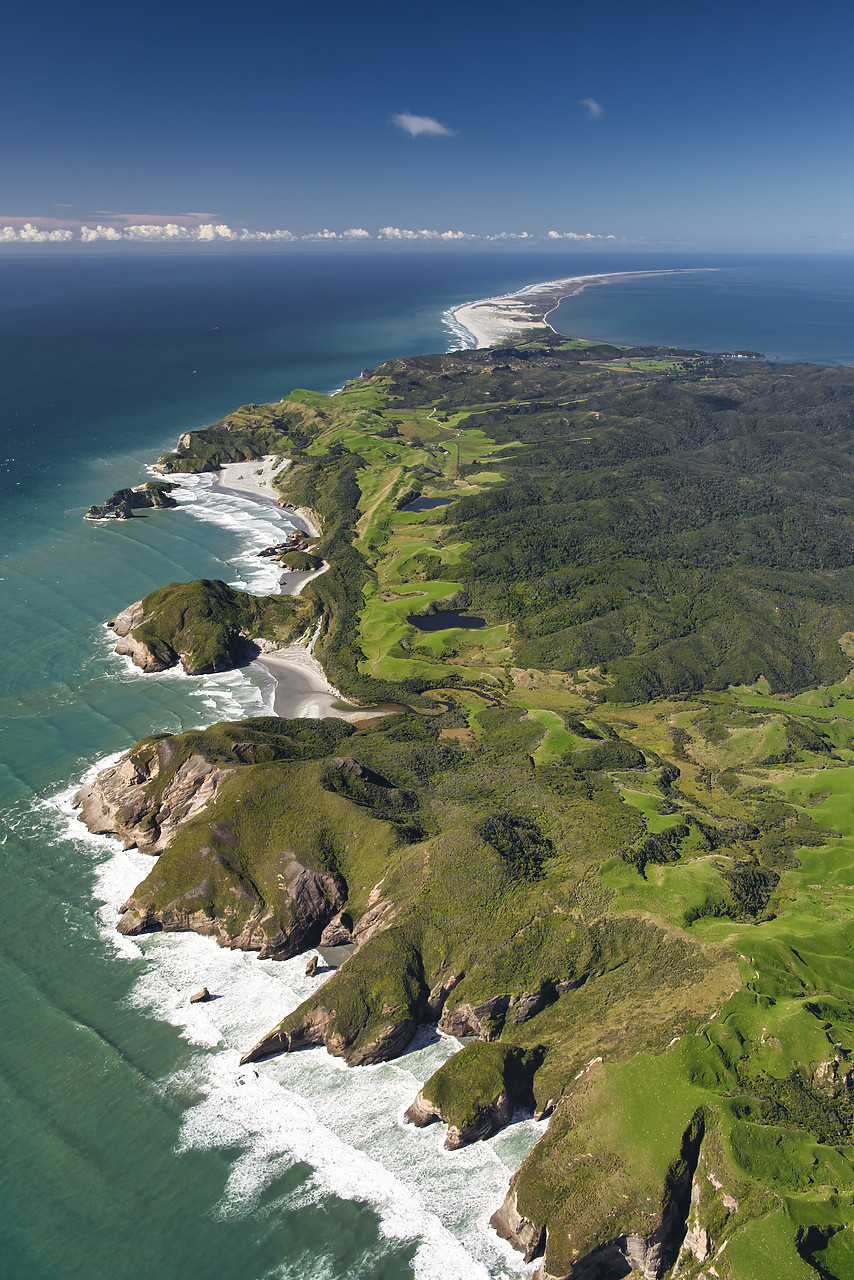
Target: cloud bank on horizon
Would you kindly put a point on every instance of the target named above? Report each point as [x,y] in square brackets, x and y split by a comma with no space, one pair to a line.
[29,231]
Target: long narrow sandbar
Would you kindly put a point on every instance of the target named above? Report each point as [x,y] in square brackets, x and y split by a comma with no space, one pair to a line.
[492,320]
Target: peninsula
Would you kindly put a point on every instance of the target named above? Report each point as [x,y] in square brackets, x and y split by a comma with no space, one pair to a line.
[492,320]
[603,835]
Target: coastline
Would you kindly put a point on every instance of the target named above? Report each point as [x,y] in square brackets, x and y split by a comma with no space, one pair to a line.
[302,690]
[487,321]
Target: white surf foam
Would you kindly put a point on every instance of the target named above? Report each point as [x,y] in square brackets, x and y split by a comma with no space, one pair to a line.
[462,339]
[218,695]
[256,523]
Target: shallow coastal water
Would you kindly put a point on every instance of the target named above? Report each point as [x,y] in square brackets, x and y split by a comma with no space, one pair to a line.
[134,1141]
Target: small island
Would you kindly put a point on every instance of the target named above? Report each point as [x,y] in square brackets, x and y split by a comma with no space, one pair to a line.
[604,838]
[123,503]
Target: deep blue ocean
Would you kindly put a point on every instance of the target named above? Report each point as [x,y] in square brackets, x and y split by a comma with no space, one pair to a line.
[134,1143]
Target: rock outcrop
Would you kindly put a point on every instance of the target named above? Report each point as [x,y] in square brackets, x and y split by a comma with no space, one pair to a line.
[476,1092]
[123,503]
[523,1234]
[205,626]
[118,801]
[315,1027]
[678,1234]
[241,922]
[488,1120]
[124,624]
[487,1019]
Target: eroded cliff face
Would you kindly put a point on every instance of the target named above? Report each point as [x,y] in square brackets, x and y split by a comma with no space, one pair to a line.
[489,1118]
[120,802]
[141,655]
[242,922]
[212,883]
[685,1223]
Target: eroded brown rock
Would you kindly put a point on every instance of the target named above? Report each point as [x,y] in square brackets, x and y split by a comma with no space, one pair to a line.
[488,1120]
[117,802]
[126,622]
[523,1234]
[307,898]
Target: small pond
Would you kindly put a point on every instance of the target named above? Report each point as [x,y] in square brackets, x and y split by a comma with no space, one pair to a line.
[426,504]
[443,620]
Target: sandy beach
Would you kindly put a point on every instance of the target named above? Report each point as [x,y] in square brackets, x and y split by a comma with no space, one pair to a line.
[492,320]
[302,689]
[253,479]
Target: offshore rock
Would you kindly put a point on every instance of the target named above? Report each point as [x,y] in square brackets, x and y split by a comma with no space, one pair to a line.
[123,503]
[200,996]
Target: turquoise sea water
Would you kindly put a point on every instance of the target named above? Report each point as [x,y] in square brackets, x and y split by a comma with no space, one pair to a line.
[134,1142]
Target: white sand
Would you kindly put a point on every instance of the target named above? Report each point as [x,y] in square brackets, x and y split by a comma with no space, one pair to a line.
[292,581]
[254,478]
[302,689]
[492,320]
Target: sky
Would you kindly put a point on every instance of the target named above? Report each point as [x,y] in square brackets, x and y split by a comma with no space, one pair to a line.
[726,126]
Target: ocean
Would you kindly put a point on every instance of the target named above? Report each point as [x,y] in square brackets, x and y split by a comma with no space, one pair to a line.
[134,1141]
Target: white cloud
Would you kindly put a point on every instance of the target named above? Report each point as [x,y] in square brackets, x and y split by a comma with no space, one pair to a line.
[576,235]
[593,108]
[37,235]
[417,125]
[88,234]
[207,232]
[153,231]
[243,234]
[404,233]
[18,231]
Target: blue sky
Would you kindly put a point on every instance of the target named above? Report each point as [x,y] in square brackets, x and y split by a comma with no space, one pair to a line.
[716,126]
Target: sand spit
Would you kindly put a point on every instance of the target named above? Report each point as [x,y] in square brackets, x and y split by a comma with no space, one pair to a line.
[492,320]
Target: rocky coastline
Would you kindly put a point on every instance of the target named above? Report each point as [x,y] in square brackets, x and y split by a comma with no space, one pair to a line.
[569,881]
